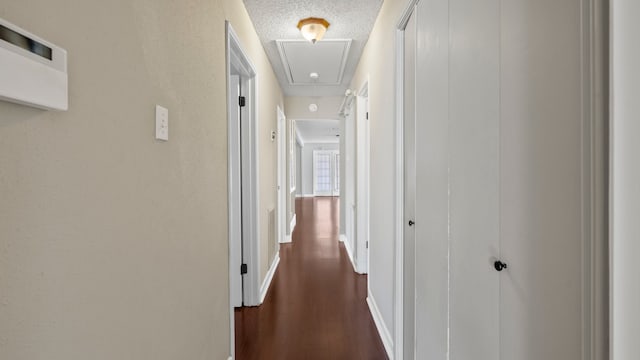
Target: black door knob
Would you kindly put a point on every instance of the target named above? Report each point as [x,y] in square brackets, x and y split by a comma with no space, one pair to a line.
[411,223]
[499,265]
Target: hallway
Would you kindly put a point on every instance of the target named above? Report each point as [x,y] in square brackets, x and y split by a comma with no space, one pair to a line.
[316,307]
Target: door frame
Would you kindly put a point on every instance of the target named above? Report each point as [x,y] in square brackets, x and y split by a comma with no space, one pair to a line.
[348,178]
[363,194]
[234,191]
[398,298]
[238,61]
[595,167]
[283,189]
[335,174]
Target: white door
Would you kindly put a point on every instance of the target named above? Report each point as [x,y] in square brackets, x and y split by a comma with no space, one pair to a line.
[497,154]
[336,174]
[474,212]
[362,180]
[281,187]
[541,152]
[409,211]
[435,311]
[325,173]
[350,178]
[456,183]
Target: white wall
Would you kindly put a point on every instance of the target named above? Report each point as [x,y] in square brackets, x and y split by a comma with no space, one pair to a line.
[114,245]
[307,164]
[625,180]
[378,62]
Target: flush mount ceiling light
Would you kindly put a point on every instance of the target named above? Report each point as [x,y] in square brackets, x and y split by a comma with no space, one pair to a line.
[313,29]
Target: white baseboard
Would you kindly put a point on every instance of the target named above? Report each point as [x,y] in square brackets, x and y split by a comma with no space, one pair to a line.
[304,195]
[267,280]
[292,224]
[230,358]
[347,246]
[385,335]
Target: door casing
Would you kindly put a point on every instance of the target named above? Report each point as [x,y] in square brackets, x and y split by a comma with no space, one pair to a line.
[243,214]
[362,178]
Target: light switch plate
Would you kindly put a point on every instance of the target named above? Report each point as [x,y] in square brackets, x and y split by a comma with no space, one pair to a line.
[162,123]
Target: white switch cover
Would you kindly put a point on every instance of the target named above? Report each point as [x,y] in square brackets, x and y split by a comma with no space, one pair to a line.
[162,123]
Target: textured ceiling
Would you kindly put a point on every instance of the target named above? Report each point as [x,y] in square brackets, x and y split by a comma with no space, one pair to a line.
[277,19]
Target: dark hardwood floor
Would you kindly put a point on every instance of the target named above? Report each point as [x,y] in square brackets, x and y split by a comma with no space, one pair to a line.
[316,307]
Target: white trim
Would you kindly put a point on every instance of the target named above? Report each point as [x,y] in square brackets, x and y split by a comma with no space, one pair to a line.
[347,246]
[230,358]
[586,184]
[254,245]
[238,57]
[304,195]
[282,173]
[293,164]
[237,61]
[346,104]
[383,331]
[594,180]
[292,224]
[398,297]
[363,173]
[299,139]
[266,283]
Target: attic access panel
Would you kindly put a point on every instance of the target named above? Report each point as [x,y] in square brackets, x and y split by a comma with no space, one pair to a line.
[328,58]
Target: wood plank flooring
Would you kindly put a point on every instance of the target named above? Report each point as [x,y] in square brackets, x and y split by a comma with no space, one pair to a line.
[316,307]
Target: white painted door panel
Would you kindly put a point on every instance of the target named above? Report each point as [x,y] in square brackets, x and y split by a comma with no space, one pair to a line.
[497,177]
[432,188]
[362,210]
[540,179]
[409,211]
[474,120]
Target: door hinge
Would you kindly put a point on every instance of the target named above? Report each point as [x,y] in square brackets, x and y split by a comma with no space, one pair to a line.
[243,269]
[367,244]
[367,115]
[242,101]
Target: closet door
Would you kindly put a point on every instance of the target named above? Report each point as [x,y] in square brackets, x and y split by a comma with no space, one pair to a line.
[409,187]
[457,237]
[474,226]
[498,177]
[432,181]
[541,142]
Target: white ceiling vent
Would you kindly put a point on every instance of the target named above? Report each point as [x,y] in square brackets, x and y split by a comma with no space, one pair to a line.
[301,58]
